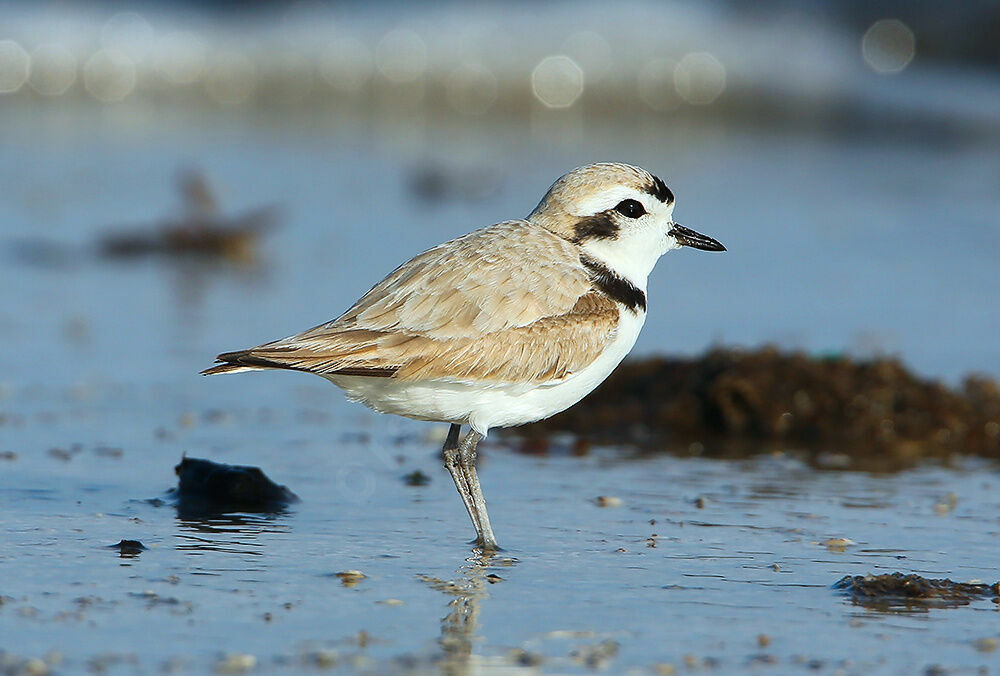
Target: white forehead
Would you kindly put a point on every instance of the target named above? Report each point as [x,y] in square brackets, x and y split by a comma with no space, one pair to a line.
[603,199]
[608,198]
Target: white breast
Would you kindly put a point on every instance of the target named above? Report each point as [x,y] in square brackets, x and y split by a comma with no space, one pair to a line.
[486,405]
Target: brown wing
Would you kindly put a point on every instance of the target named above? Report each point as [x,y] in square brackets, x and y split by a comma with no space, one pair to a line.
[507,303]
[508,275]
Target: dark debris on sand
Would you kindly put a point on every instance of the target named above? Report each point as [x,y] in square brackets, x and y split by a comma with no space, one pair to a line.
[128,549]
[214,486]
[900,591]
[200,231]
[735,402]
[416,478]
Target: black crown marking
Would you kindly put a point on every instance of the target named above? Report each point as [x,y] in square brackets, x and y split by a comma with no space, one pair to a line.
[658,189]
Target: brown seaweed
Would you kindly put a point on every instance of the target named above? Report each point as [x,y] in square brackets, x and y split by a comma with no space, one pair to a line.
[899,591]
[875,412]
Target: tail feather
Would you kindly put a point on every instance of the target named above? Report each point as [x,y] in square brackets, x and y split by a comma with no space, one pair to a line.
[226,368]
[254,359]
[233,362]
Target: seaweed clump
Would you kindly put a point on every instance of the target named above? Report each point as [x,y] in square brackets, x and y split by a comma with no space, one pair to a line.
[202,230]
[732,402]
[900,591]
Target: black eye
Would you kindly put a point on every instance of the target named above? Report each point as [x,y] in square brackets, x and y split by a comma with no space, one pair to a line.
[630,208]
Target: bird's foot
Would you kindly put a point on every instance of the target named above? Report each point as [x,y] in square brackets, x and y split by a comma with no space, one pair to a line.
[487,546]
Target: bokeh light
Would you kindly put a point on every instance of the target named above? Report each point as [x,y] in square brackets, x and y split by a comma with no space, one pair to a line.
[14,66]
[888,46]
[700,78]
[128,32]
[557,81]
[53,69]
[401,56]
[109,76]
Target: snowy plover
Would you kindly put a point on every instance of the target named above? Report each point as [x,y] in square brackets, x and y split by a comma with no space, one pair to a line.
[506,325]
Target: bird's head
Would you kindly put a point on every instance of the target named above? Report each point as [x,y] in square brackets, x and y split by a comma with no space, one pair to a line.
[618,214]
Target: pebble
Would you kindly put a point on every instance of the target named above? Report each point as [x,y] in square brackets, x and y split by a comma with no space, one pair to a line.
[350,577]
[596,656]
[525,658]
[35,667]
[324,659]
[986,645]
[236,663]
[838,544]
[608,501]
[946,505]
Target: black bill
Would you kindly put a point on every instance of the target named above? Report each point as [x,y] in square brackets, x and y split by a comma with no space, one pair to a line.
[696,240]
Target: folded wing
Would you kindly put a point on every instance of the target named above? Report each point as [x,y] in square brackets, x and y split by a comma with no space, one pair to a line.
[509,303]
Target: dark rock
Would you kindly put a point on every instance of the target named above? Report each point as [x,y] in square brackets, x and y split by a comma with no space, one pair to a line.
[128,549]
[223,488]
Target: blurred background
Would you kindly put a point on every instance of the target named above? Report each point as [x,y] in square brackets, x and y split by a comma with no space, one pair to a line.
[844,151]
[179,179]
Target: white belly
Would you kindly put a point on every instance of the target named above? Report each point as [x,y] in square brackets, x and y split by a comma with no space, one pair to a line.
[490,405]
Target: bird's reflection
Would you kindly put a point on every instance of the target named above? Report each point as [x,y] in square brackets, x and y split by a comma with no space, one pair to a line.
[459,628]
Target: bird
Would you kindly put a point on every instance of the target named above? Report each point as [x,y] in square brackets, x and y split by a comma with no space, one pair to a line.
[506,325]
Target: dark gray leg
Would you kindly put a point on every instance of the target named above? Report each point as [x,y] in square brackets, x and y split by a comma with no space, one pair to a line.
[452,461]
[467,461]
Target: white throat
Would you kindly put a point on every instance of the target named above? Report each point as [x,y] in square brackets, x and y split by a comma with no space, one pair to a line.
[631,257]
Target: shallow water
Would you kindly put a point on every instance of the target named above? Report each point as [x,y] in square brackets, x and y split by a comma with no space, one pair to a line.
[700,559]
[835,244]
